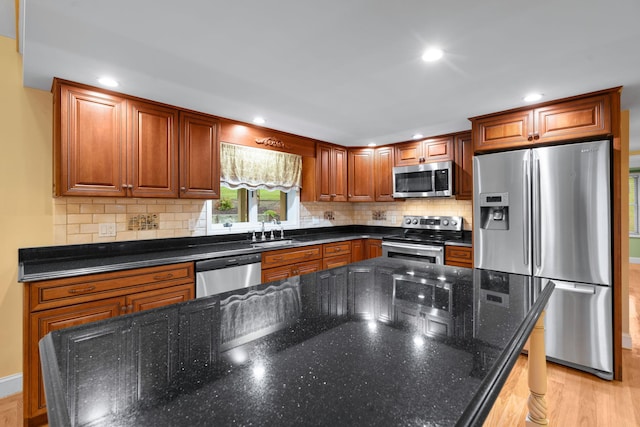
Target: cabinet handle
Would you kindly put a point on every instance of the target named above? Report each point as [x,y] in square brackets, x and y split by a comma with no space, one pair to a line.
[163,276]
[337,249]
[130,308]
[308,254]
[536,136]
[277,258]
[530,137]
[80,290]
[332,195]
[123,309]
[183,189]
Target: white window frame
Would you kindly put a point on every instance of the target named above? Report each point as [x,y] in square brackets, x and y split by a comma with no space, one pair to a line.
[636,176]
[293,216]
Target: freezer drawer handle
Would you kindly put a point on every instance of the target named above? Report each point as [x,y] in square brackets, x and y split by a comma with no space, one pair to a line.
[574,288]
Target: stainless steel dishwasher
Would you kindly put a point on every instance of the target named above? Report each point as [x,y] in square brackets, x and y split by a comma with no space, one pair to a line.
[218,275]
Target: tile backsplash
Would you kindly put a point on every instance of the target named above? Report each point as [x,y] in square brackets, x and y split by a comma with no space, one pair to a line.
[77,219]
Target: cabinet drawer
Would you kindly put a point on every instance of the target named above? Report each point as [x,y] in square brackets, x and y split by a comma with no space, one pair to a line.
[280,273]
[336,261]
[460,256]
[338,248]
[290,256]
[62,292]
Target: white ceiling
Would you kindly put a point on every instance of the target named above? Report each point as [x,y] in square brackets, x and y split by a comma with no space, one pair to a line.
[343,71]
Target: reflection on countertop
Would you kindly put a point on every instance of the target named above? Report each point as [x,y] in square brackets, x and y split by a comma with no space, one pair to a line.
[381,341]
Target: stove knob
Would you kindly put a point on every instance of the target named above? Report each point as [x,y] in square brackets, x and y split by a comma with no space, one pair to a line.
[415,221]
[445,222]
[407,221]
[454,223]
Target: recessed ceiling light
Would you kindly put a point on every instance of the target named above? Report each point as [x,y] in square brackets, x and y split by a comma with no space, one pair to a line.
[372,144]
[432,54]
[417,136]
[108,81]
[259,121]
[532,97]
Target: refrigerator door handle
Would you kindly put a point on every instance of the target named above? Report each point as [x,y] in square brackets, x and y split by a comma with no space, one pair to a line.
[578,289]
[537,244]
[526,201]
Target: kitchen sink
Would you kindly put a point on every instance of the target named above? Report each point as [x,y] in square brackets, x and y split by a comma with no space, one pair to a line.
[272,243]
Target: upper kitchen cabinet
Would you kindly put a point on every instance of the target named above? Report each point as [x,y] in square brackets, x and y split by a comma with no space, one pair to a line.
[464,166]
[107,145]
[361,175]
[428,150]
[90,147]
[152,132]
[583,116]
[383,175]
[199,156]
[331,173]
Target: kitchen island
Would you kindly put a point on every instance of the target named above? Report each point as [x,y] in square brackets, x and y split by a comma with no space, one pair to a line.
[379,342]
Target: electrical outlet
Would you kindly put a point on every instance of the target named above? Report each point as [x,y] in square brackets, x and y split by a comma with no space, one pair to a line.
[107,229]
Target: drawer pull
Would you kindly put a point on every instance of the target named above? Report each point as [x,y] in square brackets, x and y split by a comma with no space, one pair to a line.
[123,309]
[278,258]
[81,290]
[163,277]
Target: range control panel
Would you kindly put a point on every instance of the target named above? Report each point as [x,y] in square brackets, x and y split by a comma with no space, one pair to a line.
[449,223]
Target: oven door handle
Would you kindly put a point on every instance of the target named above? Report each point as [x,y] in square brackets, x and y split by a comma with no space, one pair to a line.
[414,246]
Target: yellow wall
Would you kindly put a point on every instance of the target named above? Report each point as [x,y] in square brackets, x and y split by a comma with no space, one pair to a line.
[26,217]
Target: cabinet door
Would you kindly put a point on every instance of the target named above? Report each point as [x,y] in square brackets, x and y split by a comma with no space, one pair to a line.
[339,174]
[459,256]
[43,322]
[573,119]
[361,173]
[373,248]
[323,173]
[503,131]
[89,143]
[159,298]
[199,157]
[383,174]
[408,153]
[153,148]
[464,166]
[436,150]
[357,250]
[306,268]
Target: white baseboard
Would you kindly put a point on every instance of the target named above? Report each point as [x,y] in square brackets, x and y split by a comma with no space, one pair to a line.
[633,260]
[626,341]
[10,385]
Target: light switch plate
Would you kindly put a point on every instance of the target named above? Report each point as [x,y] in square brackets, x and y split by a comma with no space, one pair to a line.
[107,229]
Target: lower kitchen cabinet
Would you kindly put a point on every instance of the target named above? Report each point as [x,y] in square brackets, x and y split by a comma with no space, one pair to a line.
[372,248]
[61,303]
[336,254]
[283,263]
[280,273]
[357,250]
[458,256]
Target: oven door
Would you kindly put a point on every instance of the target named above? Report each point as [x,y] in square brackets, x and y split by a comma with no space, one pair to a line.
[432,254]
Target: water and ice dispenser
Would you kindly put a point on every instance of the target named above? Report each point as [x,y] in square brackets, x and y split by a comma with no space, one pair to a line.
[494,211]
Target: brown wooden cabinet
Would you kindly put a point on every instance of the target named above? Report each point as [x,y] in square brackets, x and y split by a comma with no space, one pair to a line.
[361,174]
[60,303]
[331,173]
[464,166]
[199,156]
[458,256]
[383,174]
[357,250]
[90,144]
[372,248]
[428,150]
[152,155]
[336,254]
[107,145]
[283,263]
[574,118]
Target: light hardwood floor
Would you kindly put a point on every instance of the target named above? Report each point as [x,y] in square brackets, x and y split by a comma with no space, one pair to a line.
[574,398]
[579,399]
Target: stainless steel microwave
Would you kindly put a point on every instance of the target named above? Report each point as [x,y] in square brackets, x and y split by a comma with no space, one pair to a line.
[423,180]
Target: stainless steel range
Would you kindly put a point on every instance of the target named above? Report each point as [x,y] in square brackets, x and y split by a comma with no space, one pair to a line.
[423,238]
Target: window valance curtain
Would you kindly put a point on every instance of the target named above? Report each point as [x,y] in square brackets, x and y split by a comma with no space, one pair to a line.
[256,168]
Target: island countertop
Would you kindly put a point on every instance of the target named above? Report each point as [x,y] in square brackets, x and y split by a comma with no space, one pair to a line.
[379,342]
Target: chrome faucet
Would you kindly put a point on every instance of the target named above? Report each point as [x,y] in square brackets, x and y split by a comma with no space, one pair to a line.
[263,236]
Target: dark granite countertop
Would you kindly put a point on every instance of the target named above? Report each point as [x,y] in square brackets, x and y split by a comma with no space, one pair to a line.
[53,262]
[378,342]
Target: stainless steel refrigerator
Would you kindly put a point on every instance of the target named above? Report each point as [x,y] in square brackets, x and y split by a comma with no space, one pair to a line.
[546,212]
